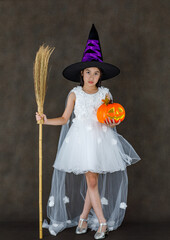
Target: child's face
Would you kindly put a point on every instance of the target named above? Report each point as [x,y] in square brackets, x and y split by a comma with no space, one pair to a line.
[91,75]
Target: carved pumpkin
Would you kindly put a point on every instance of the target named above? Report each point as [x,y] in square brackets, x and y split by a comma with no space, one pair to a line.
[111,110]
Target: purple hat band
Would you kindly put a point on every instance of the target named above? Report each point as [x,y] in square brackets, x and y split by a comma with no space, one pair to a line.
[95,48]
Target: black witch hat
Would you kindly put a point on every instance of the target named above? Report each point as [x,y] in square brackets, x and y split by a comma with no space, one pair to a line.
[92,57]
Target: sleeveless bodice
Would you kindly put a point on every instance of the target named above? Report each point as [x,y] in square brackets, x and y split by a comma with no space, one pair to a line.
[86,104]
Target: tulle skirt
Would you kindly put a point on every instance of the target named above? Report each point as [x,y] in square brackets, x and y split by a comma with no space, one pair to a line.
[89,146]
[93,146]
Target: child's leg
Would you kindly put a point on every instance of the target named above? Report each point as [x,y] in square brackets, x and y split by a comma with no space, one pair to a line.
[92,182]
[87,206]
[86,209]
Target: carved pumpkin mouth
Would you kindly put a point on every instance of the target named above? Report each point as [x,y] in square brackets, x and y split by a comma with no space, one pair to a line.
[117,113]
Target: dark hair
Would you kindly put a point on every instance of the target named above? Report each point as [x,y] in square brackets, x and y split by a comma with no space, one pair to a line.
[98,84]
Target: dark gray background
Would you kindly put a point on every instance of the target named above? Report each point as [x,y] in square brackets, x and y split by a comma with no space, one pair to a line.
[133,36]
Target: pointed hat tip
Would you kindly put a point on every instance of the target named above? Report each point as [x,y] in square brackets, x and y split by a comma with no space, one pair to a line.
[93,33]
[93,26]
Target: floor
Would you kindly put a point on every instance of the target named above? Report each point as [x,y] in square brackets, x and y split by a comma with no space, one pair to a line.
[127,231]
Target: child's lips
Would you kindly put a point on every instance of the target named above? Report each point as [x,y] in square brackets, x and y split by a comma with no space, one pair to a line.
[90,82]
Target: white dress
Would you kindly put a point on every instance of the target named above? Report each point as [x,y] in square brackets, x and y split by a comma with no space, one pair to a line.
[89,144]
[85,145]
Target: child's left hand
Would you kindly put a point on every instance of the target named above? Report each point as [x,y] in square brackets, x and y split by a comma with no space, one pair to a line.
[111,123]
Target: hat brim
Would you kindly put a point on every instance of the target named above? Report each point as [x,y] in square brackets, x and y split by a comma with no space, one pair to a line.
[72,72]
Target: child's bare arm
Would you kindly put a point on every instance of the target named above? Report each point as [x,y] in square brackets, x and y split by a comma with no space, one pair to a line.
[69,107]
[66,115]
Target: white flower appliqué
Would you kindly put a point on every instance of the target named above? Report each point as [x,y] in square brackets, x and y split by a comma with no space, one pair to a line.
[89,127]
[99,140]
[104,201]
[111,222]
[67,139]
[123,205]
[113,141]
[104,128]
[55,224]
[68,221]
[51,201]
[52,232]
[66,199]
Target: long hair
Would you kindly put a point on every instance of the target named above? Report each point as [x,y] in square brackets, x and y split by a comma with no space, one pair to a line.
[98,84]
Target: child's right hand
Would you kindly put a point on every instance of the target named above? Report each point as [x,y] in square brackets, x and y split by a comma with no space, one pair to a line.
[39,117]
[111,123]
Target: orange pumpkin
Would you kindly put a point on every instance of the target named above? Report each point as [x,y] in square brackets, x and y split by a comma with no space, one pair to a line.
[111,110]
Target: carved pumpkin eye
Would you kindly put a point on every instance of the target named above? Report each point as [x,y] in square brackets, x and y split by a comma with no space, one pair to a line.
[112,110]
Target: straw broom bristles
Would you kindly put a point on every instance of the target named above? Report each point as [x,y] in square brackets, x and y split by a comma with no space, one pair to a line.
[40,77]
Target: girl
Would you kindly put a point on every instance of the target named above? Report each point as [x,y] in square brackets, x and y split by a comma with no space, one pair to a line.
[89,183]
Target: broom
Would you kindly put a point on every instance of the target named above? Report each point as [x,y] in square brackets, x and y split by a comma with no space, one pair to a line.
[40,70]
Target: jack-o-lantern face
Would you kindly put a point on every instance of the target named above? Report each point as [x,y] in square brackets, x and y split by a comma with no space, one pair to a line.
[116,111]
[110,110]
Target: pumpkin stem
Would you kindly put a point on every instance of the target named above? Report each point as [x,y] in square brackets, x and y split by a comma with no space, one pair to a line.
[106,100]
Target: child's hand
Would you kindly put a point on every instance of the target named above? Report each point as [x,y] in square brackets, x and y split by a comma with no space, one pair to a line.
[39,117]
[107,95]
[111,122]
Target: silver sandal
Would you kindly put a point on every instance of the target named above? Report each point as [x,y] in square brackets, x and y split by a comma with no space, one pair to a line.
[100,234]
[80,230]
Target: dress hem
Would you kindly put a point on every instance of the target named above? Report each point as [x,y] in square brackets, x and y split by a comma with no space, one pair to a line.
[92,226]
[88,170]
